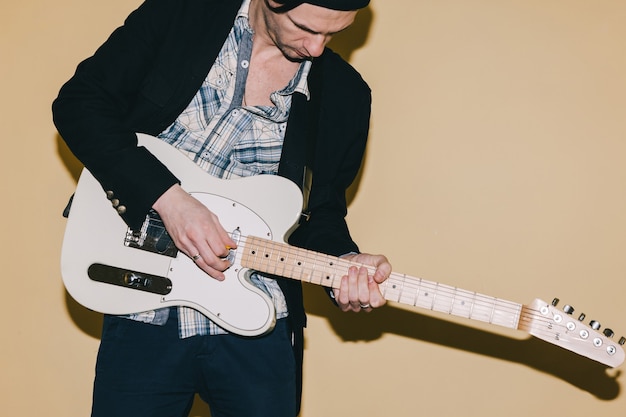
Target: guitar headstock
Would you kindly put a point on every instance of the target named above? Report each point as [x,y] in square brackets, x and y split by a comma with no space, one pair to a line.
[546,322]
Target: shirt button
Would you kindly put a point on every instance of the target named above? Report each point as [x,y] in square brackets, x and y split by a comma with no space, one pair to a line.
[121,209]
[245,63]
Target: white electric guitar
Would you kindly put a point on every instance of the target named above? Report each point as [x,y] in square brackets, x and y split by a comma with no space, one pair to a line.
[110,269]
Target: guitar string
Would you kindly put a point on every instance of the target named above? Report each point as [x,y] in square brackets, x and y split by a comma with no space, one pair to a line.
[416,284]
[546,328]
[560,335]
[269,252]
[406,283]
[307,262]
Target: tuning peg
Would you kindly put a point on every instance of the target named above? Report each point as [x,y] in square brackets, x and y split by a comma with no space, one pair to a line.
[595,325]
[582,316]
[622,340]
[608,332]
[555,301]
[568,309]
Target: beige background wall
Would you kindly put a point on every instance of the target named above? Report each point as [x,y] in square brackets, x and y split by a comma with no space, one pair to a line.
[496,164]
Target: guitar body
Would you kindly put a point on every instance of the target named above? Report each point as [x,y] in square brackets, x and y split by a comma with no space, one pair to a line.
[95,238]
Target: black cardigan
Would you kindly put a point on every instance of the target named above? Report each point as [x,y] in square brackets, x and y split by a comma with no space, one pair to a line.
[148,71]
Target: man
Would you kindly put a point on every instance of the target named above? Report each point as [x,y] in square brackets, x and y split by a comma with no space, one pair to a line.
[242,89]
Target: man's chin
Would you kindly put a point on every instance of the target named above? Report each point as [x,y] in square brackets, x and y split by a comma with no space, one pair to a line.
[294,56]
[297,59]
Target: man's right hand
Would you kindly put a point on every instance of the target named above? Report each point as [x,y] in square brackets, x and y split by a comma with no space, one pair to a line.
[195,230]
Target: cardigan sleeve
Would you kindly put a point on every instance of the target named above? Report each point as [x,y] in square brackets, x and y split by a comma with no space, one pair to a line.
[91,110]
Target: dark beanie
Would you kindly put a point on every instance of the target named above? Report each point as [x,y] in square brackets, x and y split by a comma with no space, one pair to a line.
[344,5]
[339,4]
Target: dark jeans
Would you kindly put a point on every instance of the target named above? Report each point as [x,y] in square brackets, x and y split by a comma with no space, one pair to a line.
[145,370]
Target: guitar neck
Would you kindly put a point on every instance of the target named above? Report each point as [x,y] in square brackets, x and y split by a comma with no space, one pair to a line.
[307,266]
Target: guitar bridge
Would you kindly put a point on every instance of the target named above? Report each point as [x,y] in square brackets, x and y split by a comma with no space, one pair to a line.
[152,237]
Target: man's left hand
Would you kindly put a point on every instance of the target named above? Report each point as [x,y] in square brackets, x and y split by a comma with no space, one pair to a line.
[359,289]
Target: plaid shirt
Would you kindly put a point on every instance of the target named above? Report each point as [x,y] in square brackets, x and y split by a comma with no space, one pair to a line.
[229,139]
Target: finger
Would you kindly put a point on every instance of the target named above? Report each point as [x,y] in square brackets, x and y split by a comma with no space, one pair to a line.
[221,247]
[342,295]
[363,288]
[383,271]
[219,239]
[213,269]
[354,276]
[208,261]
[380,262]
[376,297]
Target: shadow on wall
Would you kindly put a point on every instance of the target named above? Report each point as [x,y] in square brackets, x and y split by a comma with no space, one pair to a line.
[355,37]
[345,44]
[576,370]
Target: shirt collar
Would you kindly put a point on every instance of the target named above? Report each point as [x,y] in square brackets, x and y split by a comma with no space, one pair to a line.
[301,85]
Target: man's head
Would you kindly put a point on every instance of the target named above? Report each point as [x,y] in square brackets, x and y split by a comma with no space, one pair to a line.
[302,28]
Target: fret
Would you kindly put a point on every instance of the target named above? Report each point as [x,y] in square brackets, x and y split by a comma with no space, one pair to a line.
[506,314]
[321,269]
[426,295]
[443,300]
[281,266]
[463,303]
[392,288]
[483,309]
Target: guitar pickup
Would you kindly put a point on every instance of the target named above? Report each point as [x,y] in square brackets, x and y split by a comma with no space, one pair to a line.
[130,279]
[152,237]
